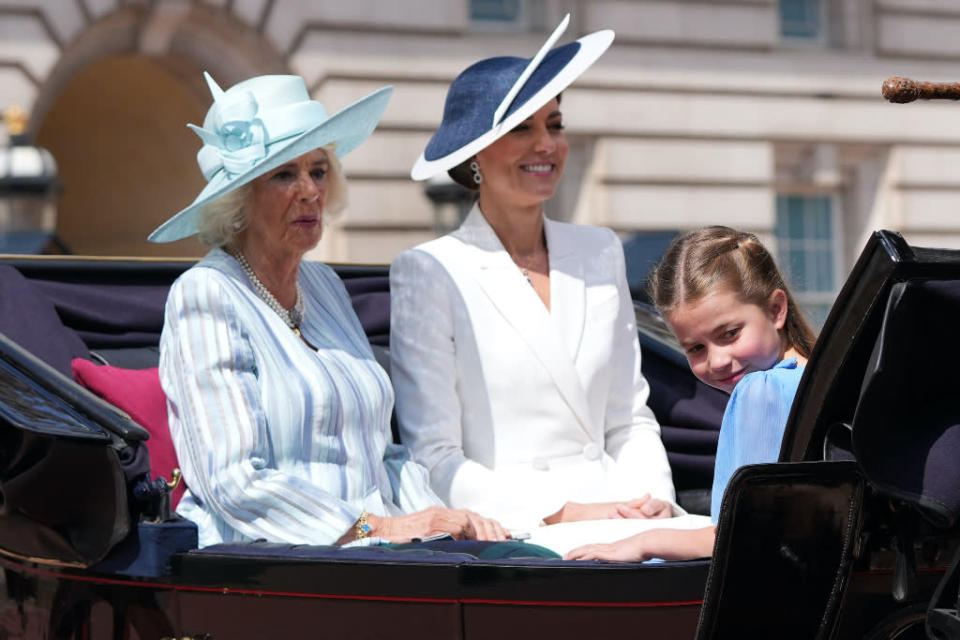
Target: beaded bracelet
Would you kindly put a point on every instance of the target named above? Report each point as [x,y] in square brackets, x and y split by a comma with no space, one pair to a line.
[362,528]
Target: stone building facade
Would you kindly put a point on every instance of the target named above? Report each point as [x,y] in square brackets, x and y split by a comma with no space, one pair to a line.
[761,114]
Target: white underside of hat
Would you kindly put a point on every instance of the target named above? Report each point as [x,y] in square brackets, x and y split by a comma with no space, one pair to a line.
[591,47]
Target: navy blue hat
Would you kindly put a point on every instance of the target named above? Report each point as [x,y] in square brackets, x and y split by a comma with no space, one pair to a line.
[491,97]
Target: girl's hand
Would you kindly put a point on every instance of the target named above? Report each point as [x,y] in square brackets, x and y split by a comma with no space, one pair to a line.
[627,550]
[459,523]
[668,544]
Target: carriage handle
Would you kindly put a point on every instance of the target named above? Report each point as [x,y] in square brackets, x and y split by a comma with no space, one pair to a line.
[898,89]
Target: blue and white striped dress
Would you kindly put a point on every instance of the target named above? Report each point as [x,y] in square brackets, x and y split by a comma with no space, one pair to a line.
[276,440]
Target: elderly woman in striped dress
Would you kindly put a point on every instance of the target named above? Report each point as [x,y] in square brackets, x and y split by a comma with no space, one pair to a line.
[278,410]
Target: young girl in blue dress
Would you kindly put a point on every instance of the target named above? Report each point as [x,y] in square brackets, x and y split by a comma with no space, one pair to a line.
[732,312]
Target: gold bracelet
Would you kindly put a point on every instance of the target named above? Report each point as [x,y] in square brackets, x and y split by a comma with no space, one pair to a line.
[362,528]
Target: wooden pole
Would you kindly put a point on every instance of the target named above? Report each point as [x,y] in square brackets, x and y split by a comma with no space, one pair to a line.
[897,89]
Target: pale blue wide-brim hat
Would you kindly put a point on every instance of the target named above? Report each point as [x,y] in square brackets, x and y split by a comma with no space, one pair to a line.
[260,124]
[491,97]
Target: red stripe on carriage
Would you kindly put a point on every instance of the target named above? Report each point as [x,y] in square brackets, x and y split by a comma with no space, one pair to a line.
[330,596]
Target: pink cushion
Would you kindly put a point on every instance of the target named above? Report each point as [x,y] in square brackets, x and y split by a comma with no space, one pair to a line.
[138,393]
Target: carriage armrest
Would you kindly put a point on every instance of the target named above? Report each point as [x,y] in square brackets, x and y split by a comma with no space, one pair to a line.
[147,551]
[128,357]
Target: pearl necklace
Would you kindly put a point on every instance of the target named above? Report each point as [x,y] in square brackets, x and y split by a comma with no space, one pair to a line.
[293,318]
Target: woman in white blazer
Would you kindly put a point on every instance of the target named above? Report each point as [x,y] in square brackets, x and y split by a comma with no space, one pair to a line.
[514,349]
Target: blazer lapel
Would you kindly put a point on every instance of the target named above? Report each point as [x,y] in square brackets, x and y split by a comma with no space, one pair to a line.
[510,294]
[567,289]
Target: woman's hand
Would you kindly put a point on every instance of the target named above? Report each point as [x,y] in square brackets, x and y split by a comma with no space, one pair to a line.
[645,507]
[459,523]
[642,507]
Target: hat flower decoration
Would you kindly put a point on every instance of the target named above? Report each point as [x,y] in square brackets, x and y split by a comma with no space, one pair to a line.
[261,124]
[237,141]
[491,97]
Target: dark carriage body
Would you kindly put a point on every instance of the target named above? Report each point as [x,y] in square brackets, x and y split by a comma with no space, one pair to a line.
[93,562]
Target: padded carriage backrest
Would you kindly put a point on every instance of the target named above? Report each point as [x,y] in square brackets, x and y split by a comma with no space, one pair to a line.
[689,413]
[29,318]
[116,307]
[784,551]
[906,429]
[370,295]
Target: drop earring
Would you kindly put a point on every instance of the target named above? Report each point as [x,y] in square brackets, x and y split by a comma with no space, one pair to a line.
[475,168]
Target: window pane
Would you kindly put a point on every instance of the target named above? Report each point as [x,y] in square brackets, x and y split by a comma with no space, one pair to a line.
[822,260]
[805,242]
[800,19]
[795,220]
[820,218]
[782,217]
[815,313]
[796,270]
[641,252]
[495,10]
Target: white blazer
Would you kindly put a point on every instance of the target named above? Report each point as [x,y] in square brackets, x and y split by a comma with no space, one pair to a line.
[513,408]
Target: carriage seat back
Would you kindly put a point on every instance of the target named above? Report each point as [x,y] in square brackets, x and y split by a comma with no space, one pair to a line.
[906,428]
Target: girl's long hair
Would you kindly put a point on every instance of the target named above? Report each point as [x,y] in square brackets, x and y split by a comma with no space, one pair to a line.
[699,262]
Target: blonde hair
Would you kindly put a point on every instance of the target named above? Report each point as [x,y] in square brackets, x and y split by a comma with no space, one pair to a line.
[699,262]
[220,220]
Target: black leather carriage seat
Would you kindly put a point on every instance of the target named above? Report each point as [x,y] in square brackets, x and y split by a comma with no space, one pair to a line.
[906,429]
